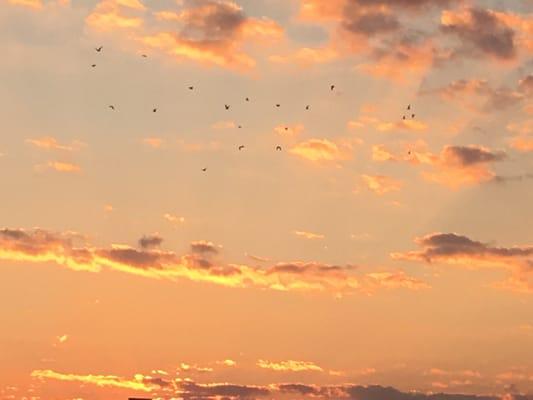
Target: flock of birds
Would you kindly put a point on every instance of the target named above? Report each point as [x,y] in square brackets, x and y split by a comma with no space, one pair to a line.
[247,99]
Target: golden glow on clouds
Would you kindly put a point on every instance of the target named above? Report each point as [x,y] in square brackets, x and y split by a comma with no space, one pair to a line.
[40,246]
[99,380]
[290,365]
[380,184]
[147,28]
[309,235]
[321,150]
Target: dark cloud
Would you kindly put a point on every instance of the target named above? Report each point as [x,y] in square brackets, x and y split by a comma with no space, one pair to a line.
[369,23]
[204,248]
[483,31]
[211,20]
[191,390]
[138,258]
[302,268]
[150,241]
[440,245]
[494,99]
[470,155]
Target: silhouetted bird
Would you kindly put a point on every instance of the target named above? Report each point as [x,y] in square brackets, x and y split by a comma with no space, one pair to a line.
[286,128]
[112,107]
[240,126]
[144,55]
[93,65]
[403,117]
[332,87]
[226,107]
[307,107]
[99,49]
[204,169]
[409,152]
[278,105]
[191,87]
[154,110]
[409,107]
[247,99]
[278,148]
[412,115]
[241,147]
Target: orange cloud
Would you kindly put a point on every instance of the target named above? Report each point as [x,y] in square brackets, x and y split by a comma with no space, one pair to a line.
[153,142]
[109,15]
[454,167]
[59,166]
[212,32]
[403,61]
[380,184]
[322,150]
[523,141]
[462,165]
[524,144]
[39,246]
[309,235]
[51,143]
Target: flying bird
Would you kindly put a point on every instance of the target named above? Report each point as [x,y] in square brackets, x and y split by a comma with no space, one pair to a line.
[154,110]
[278,148]
[93,65]
[204,169]
[240,126]
[99,49]
[241,147]
[144,55]
[412,115]
[332,87]
[278,105]
[226,106]
[247,99]
[307,107]
[409,107]
[403,117]
[191,87]
[112,107]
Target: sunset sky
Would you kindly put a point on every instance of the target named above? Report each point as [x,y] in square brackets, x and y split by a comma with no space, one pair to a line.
[373,238]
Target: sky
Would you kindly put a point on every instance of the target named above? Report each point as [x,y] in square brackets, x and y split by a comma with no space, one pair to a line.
[266,199]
